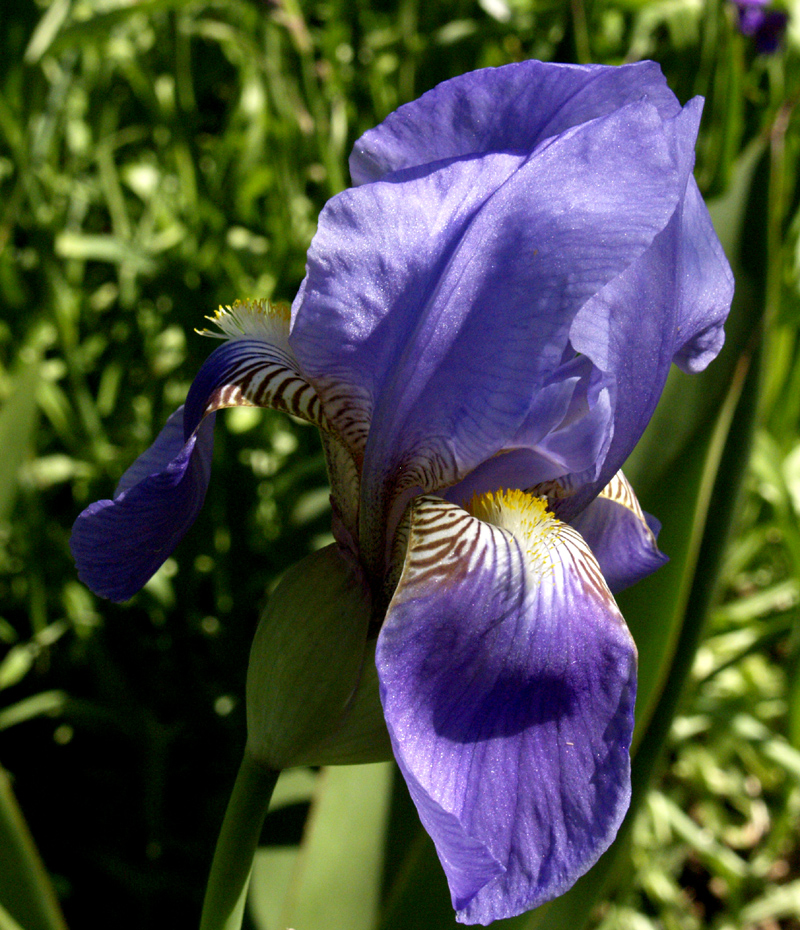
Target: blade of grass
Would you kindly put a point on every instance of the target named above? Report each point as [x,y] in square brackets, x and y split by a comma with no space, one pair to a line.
[25,887]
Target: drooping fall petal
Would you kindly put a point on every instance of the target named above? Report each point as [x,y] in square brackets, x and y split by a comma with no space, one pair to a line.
[118,544]
[508,683]
[621,535]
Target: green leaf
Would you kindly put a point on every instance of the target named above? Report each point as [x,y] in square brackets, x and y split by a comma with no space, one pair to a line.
[312,635]
[102,248]
[51,703]
[334,880]
[7,922]
[273,866]
[19,659]
[721,859]
[776,904]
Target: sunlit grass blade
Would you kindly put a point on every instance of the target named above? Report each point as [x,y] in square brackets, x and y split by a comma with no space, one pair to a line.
[336,878]
[25,888]
[17,425]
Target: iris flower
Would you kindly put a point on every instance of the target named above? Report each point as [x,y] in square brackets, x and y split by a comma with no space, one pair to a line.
[486,324]
[765,25]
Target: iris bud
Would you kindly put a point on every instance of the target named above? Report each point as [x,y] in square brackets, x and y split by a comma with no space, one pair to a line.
[312,694]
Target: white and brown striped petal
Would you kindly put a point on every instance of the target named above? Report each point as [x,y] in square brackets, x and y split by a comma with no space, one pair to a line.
[445,540]
[254,367]
[619,491]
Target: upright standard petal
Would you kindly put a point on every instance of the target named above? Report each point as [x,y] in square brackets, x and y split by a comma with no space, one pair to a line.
[437,304]
[508,683]
[567,430]
[118,544]
[508,109]
[668,305]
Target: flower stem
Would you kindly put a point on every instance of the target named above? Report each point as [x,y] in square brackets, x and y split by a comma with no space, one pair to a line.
[223,907]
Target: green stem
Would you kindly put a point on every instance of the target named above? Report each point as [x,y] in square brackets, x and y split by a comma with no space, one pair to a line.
[223,907]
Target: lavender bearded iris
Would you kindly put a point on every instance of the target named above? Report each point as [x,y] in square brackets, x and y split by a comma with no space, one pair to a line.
[484,330]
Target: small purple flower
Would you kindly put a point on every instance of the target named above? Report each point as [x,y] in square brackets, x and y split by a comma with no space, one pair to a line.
[484,330]
[765,26]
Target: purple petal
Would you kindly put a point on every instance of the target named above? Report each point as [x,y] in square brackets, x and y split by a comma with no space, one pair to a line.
[118,545]
[765,26]
[567,430]
[628,330]
[515,470]
[509,109]
[770,32]
[526,469]
[508,682]
[579,441]
[669,304]
[751,17]
[435,306]
[621,536]
[707,291]
[167,446]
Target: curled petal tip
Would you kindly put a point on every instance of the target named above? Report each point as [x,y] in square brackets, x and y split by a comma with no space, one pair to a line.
[119,544]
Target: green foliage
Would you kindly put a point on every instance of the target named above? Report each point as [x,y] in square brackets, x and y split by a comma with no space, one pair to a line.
[163,157]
